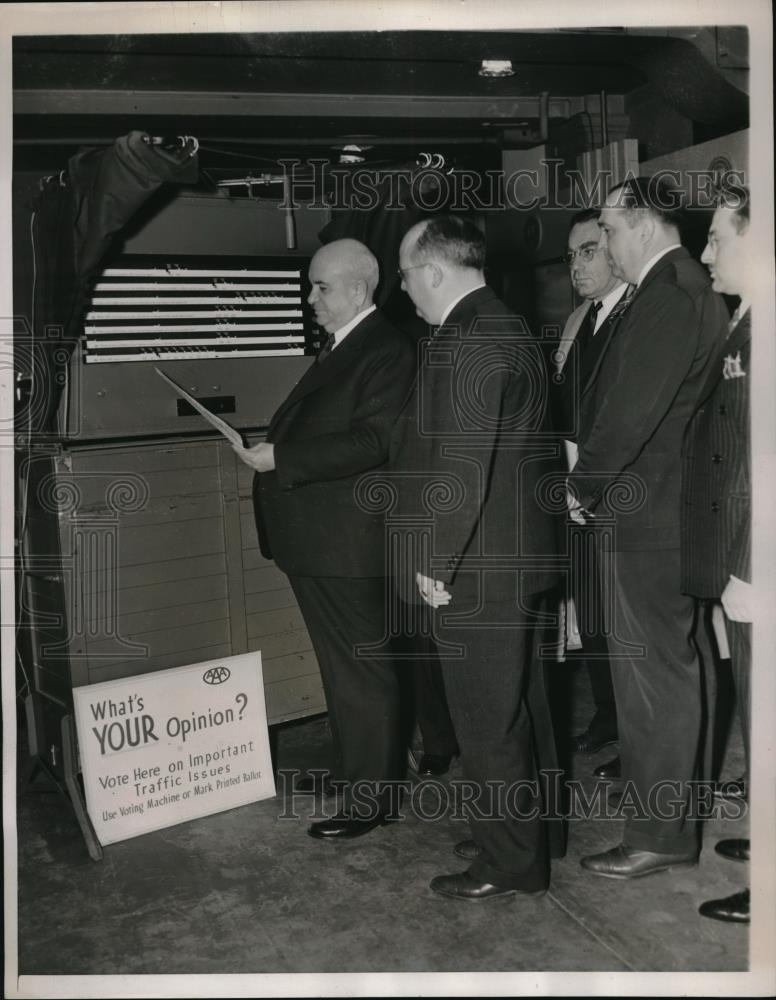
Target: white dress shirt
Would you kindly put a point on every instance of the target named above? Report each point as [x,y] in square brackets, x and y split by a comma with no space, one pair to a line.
[608,302]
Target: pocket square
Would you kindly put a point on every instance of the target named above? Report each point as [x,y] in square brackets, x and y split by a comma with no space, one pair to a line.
[732,367]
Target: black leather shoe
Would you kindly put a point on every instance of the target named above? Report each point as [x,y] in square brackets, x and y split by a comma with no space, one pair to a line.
[732,909]
[626,862]
[467,849]
[733,850]
[590,742]
[309,785]
[436,764]
[465,886]
[344,827]
[611,769]
[736,791]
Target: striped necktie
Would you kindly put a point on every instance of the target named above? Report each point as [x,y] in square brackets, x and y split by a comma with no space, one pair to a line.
[327,348]
[622,305]
[735,319]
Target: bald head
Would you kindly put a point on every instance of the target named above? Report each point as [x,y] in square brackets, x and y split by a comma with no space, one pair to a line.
[344,275]
[440,260]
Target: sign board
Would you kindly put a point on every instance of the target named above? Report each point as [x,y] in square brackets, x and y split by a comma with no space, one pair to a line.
[166,747]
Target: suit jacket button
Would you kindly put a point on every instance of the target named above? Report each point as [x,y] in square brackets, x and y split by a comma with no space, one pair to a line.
[716,459]
[723,409]
[715,507]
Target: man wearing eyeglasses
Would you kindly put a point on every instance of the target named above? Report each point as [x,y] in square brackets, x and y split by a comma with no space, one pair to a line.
[581,350]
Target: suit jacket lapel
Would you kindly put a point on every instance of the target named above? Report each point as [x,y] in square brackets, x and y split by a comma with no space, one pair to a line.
[570,332]
[742,332]
[609,328]
[606,331]
[730,345]
[321,374]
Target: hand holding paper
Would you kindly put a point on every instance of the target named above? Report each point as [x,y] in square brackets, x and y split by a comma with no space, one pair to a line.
[261,457]
[233,436]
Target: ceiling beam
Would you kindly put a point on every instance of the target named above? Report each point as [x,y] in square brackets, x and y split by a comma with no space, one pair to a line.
[198,103]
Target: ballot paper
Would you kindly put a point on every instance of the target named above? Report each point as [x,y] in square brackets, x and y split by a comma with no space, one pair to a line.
[234,437]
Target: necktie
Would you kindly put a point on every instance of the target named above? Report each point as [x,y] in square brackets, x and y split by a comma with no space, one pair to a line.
[734,320]
[622,305]
[587,328]
[597,346]
[327,348]
[567,393]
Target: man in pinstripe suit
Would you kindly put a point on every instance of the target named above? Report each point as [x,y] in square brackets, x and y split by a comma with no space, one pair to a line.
[716,526]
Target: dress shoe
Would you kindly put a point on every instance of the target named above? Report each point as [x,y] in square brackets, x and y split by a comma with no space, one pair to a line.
[309,785]
[436,764]
[611,769]
[467,849]
[733,850]
[732,909]
[626,862]
[344,827]
[592,742]
[465,886]
[735,791]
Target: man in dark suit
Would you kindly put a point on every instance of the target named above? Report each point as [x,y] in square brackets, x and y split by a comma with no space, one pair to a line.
[583,344]
[334,426]
[469,455]
[629,472]
[716,516]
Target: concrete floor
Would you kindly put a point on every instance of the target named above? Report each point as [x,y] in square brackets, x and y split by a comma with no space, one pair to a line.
[246,892]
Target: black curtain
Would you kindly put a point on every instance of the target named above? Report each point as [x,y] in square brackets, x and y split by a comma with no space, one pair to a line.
[78,215]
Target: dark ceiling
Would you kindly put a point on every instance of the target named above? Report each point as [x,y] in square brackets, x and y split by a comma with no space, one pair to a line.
[357,62]
[277,94]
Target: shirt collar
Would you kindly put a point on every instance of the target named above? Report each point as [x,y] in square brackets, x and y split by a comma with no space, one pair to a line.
[653,260]
[339,335]
[610,300]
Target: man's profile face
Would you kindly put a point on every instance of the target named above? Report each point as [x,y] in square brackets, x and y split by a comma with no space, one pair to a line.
[592,278]
[335,293]
[416,282]
[726,252]
[621,238]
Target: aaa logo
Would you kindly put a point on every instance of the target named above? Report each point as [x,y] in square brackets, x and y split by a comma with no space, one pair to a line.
[216,675]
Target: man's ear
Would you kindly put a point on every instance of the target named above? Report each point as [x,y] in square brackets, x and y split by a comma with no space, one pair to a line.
[646,228]
[436,275]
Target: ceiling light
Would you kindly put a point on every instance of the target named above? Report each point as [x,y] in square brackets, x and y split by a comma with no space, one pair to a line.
[351,154]
[496,67]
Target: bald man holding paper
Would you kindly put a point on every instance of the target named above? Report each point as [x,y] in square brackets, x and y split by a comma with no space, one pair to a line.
[333,427]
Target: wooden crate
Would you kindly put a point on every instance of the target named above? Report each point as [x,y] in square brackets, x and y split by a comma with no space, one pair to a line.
[160,567]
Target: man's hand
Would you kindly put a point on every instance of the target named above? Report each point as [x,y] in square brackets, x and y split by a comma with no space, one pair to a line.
[433,592]
[738,600]
[576,511]
[261,457]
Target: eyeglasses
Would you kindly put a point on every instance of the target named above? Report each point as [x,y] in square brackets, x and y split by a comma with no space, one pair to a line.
[585,254]
[402,271]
